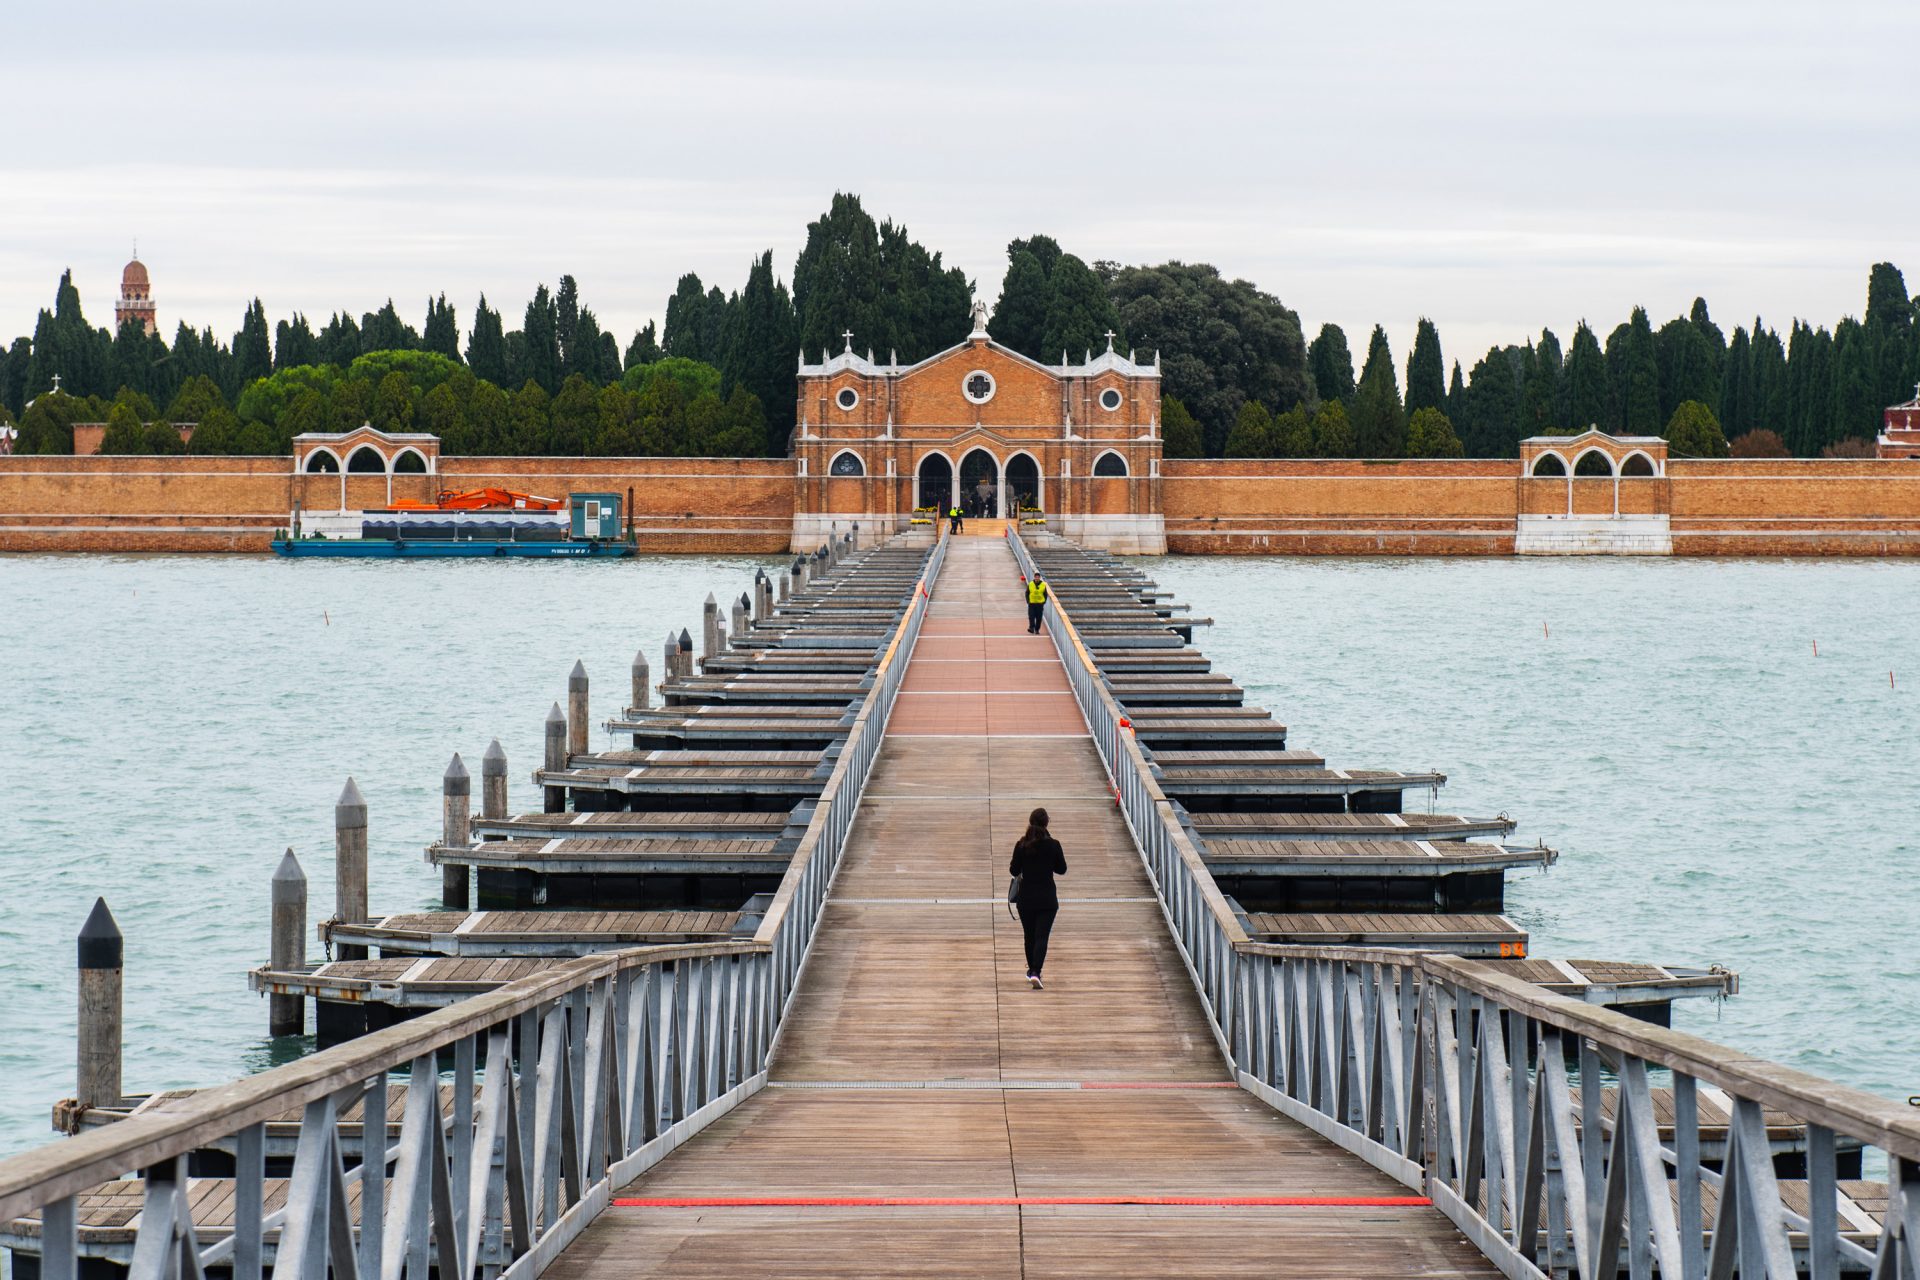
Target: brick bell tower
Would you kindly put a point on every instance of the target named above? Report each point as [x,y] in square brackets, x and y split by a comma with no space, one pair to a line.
[136,296]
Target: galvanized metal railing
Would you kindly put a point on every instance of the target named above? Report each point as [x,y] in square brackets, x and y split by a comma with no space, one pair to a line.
[1466,1083]
[563,1085]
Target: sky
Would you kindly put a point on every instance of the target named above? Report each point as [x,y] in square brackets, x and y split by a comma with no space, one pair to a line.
[1495,167]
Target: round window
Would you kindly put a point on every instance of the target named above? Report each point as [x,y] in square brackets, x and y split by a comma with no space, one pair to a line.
[847,398]
[978,386]
[1110,399]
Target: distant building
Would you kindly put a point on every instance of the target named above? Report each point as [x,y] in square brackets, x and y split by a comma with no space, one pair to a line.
[7,435]
[136,298]
[1900,430]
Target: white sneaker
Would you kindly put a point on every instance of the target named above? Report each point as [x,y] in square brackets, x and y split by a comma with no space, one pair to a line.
[1034,978]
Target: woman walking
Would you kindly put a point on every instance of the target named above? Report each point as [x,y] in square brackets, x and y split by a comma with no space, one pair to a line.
[1037,859]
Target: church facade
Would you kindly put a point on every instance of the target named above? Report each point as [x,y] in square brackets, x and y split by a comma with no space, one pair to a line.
[985,428]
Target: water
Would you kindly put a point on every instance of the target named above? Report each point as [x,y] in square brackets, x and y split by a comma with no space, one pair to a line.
[172,723]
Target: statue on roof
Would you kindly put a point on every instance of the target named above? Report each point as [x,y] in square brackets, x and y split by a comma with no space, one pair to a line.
[979,319]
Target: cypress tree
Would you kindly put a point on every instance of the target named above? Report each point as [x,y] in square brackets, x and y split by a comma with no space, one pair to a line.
[487,345]
[1490,428]
[566,316]
[132,363]
[294,344]
[1079,311]
[1693,432]
[1588,393]
[1540,394]
[1736,413]
[542,332]
[1333,431]
[1180,432]
[13,384]
[685,333]
[1426,371]
[1252,434]
[1379,424]
[877,281]
[759,355]
[384,330]
[1767,387]
[339,341]
[1456,391]
[1331,364]
[1688,369]
[125,432]
[645,347]
[1020,316]
[1636,376]
[442,334]
[252,347]
[1431,435]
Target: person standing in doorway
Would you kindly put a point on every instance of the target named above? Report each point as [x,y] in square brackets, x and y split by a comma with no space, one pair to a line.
[1037,859]
[953,519]
[1036,603]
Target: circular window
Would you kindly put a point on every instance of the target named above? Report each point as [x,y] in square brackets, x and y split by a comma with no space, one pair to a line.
[978,386]
[847,398]
[1110,399]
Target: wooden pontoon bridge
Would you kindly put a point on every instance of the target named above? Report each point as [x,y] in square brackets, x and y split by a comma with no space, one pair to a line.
[746,1000]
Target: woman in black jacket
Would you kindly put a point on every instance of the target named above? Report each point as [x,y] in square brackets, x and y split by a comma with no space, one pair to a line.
[1037,859]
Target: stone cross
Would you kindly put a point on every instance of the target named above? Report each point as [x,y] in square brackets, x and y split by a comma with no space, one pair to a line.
[1110,336]
[56,382]
[848,335]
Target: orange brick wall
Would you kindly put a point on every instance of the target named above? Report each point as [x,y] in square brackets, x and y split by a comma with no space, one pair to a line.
[236,504]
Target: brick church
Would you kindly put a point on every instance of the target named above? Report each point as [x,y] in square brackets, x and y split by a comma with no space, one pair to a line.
[985,428]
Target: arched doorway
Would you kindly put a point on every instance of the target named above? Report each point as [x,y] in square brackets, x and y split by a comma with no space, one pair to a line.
[935,483]
[1023,482]
[980,484]
[366,459]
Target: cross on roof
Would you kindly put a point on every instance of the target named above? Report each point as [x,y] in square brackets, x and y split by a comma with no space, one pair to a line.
[56,382]
[848,335]
[1110,336]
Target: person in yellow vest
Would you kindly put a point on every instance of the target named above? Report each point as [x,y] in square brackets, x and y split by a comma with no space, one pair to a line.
[953,518]
[1036,603]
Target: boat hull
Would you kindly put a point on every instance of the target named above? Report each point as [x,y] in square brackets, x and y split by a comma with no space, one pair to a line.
[424,549]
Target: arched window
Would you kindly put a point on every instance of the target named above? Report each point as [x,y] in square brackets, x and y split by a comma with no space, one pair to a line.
[1593,463]
[1637,464]
[409,463]
[846,463]
[320,462]
[1549,464]
[1110,464]
[367,458]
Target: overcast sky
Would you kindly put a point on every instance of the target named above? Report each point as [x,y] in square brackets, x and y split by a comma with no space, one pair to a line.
[1497,167]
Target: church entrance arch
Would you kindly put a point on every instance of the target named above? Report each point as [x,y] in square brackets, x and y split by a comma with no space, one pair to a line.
[980,484]
[1023,483]
[935,483]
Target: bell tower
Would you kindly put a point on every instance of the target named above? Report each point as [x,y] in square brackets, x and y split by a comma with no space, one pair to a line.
[136,296]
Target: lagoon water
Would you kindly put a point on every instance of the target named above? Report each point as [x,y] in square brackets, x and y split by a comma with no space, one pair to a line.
[168,725]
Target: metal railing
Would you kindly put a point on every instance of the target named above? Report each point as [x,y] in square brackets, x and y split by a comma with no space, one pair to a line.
[1465,1083]
[563,1085]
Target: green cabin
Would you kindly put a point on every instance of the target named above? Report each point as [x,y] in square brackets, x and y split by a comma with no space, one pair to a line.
[595,517]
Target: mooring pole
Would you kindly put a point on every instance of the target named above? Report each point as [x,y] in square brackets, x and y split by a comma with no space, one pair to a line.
[350,863]
[287,948]
[577,709]
[685,654]
[670,659]
[456,831]
[642,682]
[102,956]
[493,781]
[556,760]
[739,629]
[786,585]
[709,628]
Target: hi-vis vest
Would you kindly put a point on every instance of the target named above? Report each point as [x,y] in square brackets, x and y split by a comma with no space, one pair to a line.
[1036,592]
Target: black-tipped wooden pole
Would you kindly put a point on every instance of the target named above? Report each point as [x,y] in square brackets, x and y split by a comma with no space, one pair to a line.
[739,629]
[709,628]
[577,709]
[287,1015]
[456,827]
[685,654]
[556,758]
[350,863]
[102,957]
[493,781]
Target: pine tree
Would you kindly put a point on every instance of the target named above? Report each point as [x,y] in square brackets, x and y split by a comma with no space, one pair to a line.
[1587,391]
[1079,311]
[1426,371]
[1252,434]
[1331,364]
[1180,433]
[1379,424]
[1332,431]
[487,345]
[125,432]
[1292,434]
[1020,316]
[1430,435]
[442,334]
[1693,432]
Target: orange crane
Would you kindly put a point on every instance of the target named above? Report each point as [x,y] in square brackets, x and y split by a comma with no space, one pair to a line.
[484,500]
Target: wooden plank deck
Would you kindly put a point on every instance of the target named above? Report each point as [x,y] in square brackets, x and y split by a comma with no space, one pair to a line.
[916,1063]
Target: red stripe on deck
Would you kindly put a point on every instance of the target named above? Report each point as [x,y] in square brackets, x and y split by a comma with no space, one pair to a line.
[947,1202]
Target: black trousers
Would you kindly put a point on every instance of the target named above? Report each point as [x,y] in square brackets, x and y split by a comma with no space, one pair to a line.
[1036,922]
[1033,617]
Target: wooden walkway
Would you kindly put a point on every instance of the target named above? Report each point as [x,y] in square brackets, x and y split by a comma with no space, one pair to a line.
[916,1065]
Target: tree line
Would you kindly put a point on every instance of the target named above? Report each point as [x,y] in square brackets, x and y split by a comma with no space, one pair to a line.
[1238,375]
